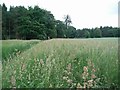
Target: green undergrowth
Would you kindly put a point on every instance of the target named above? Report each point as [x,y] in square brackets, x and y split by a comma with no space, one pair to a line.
[10,48]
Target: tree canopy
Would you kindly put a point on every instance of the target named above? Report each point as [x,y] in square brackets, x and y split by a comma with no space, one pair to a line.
[36,23]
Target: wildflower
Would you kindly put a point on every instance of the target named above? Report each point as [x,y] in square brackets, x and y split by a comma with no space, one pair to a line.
[93,70]
[13,81]
[69,67]
[85,75]
[85,85]
[79,86]
[93,76]
[69,73]
[90,83]
[41,62]
[85,69]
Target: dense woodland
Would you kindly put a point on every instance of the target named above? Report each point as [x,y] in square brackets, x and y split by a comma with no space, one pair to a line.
[36,23]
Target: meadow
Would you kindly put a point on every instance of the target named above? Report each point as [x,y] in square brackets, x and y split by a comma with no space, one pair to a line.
[61,63]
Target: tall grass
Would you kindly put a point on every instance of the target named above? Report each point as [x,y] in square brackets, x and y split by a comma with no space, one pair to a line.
[62,63]
[12,47]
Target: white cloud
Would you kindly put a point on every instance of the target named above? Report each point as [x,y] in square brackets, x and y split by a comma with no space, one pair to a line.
[84,13]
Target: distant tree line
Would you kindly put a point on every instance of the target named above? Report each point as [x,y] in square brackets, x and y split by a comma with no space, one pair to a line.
[36,23]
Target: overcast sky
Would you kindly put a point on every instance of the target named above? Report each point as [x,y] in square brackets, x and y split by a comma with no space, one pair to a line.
[83,13]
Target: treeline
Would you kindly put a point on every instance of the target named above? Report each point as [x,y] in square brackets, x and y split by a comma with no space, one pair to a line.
[36,23]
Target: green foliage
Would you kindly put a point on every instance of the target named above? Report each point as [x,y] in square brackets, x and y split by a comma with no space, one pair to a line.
[97,33]
[36,23]
[87,34]
[61,28]
[4,22]
[71,32]
[29,23]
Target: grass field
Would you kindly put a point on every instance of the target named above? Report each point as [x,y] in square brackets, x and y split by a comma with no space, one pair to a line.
[61,63]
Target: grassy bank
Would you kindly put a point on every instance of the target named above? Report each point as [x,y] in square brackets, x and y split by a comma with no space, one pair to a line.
[13,47]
